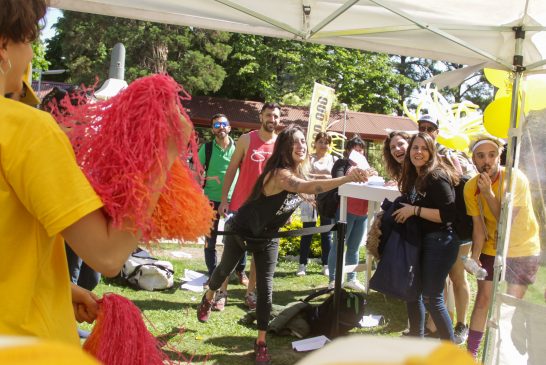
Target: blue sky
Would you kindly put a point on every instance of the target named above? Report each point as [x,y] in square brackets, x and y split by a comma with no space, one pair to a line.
[51,18]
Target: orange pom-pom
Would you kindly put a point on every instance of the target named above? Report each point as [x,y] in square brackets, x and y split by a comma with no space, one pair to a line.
[183,209]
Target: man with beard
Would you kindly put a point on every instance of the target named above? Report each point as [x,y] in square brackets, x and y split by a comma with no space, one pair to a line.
[215,156]
[483,195]
[252,151]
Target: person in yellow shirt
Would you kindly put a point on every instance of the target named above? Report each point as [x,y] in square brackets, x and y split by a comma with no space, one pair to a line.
[45,197]
[482,196]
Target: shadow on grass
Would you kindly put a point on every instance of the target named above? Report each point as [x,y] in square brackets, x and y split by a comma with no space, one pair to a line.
[175,331]
[158,304]
[235,350]
[187,358]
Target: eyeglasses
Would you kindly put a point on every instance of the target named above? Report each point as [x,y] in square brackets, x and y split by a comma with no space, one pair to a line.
[220,125]
[424,129]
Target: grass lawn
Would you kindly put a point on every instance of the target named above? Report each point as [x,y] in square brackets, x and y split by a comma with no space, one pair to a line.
[223,340]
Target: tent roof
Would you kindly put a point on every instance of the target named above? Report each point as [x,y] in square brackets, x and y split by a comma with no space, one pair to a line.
[464,31]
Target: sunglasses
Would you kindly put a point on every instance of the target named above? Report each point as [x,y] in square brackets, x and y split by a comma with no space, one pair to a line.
[220,125]
[427,129]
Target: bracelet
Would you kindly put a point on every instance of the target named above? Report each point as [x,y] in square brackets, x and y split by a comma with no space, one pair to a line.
[419,211]
[414,210]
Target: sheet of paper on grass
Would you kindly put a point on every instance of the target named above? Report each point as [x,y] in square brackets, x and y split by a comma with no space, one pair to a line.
[194,281]
[371,320]
[180,254]
[310,344]
[359,159]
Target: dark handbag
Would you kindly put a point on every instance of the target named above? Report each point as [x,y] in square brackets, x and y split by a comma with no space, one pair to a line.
[327,203]
[398,272]
[320,316]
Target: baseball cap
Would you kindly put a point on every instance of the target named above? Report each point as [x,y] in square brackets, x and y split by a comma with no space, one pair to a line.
[428,119]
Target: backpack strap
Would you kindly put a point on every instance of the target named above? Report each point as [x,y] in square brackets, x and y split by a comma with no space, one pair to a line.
[208,155]
[317,294]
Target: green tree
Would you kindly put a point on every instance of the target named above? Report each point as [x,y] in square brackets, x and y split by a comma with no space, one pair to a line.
[414,71]
[263,68]
[39,61]
[83,42]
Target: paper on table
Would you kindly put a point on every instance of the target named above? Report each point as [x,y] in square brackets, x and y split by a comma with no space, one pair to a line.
[194,281]
[359,159]
[310,344]
[376,180]
[371,320]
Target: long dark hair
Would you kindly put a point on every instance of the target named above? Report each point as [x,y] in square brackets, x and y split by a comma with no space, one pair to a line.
[394,169]
[280,159]
[433,167]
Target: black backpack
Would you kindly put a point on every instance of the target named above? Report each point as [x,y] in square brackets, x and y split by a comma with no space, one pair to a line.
[320,317]
[327,203]
[208,154]
[463,223]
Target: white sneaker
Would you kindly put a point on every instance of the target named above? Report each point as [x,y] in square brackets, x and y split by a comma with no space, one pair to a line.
[331,284]
[301,270]
[355,285]
[325,270]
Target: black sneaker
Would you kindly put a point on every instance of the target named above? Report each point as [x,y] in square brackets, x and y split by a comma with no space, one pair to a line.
[262,355]
[460,333]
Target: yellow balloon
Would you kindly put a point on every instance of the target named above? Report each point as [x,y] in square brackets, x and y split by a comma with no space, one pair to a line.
[499,78]
[496,117]
[458,142]
[501,93]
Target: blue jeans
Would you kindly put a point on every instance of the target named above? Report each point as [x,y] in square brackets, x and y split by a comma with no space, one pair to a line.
[356,229]
[325,241]
[439,252]
[210,246]
[80,274]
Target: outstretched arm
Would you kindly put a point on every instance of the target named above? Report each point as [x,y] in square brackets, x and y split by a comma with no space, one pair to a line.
[284,179]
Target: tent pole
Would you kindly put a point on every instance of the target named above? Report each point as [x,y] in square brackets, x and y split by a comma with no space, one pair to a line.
[505,218]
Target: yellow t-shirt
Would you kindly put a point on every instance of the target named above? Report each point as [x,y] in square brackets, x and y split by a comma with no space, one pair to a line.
[524,235]
[42,192]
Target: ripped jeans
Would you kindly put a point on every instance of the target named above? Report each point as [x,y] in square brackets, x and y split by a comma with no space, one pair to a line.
[439,252]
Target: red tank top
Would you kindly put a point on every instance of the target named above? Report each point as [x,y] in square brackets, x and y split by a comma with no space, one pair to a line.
[251,167]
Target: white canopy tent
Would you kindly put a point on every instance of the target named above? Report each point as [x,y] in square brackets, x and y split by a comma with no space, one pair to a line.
[506,34]
[465,31]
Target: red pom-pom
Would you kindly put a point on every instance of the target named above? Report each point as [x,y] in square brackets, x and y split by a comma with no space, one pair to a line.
[120,336]
[121,146]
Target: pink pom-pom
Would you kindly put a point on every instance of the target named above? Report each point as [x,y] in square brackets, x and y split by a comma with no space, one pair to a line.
[121,144]
[120,336]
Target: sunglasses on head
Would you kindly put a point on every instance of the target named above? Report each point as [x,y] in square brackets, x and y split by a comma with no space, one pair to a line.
[429,129]
[220,124]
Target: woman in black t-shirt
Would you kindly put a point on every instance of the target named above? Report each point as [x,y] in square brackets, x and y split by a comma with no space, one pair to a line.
[277,193]
[428,184]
